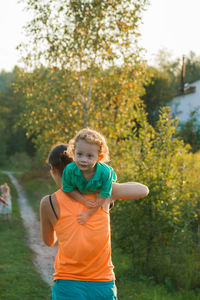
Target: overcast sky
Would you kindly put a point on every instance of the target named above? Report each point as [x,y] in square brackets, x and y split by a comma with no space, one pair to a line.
[169,24]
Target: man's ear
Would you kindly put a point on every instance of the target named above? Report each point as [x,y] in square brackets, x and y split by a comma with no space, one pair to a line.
[101,157]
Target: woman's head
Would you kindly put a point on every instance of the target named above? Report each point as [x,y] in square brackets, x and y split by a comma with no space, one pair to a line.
[58,158]
[92,138]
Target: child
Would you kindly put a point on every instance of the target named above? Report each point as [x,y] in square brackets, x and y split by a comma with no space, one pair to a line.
[88,173]
[5,209]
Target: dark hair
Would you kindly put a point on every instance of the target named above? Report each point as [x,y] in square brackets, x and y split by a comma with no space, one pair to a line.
[58,157]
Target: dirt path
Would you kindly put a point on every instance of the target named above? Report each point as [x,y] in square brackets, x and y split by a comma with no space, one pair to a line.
[43,256]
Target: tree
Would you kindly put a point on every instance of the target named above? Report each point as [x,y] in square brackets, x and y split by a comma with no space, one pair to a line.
[13,137]
[190,131]
[84,44]
[192,68]
[163,86]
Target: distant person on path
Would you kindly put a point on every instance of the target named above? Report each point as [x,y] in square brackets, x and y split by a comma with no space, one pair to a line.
[5,208]
[88,173]
[2,200]
[83,265]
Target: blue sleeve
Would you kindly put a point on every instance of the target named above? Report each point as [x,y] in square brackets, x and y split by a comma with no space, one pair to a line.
[67,185]
[109,177]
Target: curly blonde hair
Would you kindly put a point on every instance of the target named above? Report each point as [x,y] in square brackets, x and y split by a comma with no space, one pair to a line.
[91,137]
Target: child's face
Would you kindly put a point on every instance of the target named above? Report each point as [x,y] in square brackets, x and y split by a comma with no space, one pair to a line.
[3,189]
[86,155]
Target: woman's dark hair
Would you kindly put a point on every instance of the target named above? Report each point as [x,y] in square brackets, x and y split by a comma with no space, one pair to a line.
[58,157]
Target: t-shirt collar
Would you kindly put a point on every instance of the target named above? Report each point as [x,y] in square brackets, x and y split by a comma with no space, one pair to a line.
[96,175]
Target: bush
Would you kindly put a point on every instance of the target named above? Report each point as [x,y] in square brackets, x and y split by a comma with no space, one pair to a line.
[20,161]
[160,231]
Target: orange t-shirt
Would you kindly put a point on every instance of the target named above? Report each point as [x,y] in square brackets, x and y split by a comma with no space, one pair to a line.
[84,251]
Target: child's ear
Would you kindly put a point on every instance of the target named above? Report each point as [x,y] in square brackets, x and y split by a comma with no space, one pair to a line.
[101,157]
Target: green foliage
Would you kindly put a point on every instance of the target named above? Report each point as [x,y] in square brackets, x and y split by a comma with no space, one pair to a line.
[79,35]
[164,84]
[20,161]
[157,230]
[36,187]
[190,131]
[53,112]
[5,79]
[192,68]
[162,88]
[13,138]
[89,70]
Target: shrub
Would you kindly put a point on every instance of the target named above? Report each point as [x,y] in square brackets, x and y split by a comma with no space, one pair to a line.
[160,231]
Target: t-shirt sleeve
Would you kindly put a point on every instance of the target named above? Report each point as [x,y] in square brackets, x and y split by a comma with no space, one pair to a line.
[67,185]
[109,177]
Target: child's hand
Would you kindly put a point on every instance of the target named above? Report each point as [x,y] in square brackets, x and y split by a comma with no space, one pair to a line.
[3,200]
[83,217]
[90,203]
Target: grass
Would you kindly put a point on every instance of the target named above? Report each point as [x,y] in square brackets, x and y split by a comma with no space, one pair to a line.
[30,286]
[36,188]
[143,288]
[18,277]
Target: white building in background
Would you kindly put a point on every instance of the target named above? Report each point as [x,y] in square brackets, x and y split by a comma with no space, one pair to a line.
[182,106]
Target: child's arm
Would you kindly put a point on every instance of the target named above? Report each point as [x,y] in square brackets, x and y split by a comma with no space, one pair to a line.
[127,190]
[3,200]
[108,176]
[75,195]
[84,216]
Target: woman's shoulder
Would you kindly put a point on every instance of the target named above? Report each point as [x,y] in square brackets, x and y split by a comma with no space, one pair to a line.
[46,199]
[44,202]
[47,202]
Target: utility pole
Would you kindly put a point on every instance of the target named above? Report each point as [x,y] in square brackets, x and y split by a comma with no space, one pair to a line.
[181,88]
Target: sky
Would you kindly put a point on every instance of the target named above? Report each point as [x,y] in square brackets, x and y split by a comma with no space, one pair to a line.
[173,25]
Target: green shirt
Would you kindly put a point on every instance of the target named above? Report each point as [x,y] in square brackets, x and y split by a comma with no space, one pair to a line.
[100,182]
